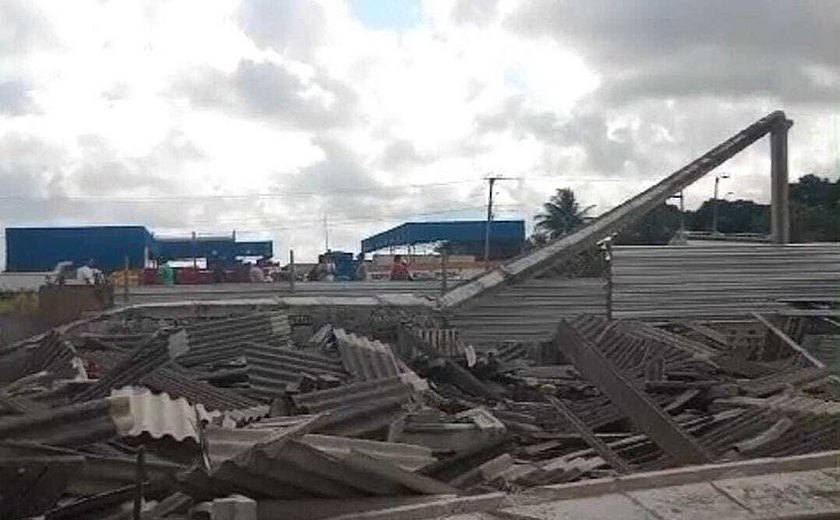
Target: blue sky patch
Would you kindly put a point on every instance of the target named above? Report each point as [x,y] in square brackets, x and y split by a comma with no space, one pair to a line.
[387,14]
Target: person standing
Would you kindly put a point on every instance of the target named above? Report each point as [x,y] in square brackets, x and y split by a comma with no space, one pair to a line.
[399,269]
[167,274]
[360,274]
[86,273]
[256,274]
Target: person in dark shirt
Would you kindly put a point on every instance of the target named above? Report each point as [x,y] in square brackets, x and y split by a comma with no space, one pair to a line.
[399,270]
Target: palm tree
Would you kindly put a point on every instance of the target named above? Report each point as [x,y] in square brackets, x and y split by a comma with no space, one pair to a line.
[562,214]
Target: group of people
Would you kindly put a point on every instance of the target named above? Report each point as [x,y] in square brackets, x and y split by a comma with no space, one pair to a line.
[325,270]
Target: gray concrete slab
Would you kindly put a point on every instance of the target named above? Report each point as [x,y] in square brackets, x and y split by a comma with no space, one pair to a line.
[690,502]
[811,492]
[595,508]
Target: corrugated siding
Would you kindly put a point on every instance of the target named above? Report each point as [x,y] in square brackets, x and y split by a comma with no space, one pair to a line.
[529,310]
[719,281]
[162,293]
[40,249]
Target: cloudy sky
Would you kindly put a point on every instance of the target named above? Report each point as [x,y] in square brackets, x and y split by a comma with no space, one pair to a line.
[270,116]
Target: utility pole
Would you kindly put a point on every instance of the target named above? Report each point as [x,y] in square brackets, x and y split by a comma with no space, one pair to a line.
[491,181]
[681,232]
[326,234]
[715,203]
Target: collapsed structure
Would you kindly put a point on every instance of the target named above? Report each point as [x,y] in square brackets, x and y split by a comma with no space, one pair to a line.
[488,403]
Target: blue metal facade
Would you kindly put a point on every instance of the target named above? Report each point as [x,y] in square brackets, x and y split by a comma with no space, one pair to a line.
[504,234]
[222,248]
[40,249]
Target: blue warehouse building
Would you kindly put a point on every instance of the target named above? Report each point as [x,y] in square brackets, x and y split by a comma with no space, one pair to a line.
[39,249]
[507,237]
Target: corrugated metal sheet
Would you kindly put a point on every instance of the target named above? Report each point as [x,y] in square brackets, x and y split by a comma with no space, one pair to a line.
[366,359]
[527,311]
[178,293]
[711,282]
[507,234]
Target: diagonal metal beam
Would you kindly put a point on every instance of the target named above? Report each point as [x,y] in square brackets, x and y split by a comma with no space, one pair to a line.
[639,408]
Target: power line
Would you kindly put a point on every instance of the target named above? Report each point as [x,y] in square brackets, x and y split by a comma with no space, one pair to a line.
[289,194]
[271,195]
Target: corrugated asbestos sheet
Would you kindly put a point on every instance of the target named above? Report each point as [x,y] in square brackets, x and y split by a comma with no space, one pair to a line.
[127,413]
[225,443]
[366,359]
[359,408]
[52,352]
[33,477]
[724,281]
[178,384]
[271,370]
[281,466]
[145,358]
[528,310]
[356,393]
[218,340]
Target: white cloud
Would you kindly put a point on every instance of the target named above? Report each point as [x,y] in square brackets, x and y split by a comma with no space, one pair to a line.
[179,109]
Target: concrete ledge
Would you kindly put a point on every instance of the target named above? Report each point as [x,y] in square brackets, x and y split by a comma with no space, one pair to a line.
[440,508]
[684,475]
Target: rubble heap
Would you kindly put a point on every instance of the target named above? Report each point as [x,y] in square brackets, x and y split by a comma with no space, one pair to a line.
[172,418]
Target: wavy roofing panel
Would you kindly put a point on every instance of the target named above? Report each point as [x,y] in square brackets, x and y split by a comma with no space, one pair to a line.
[366,359]
[179,384]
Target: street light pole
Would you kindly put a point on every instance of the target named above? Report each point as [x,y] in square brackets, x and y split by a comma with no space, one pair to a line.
[715,203]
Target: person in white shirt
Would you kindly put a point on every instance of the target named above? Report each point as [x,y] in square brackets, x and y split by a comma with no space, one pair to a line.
[86,273]
[256,274]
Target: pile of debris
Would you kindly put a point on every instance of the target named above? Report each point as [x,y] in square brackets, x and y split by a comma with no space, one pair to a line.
[177,418]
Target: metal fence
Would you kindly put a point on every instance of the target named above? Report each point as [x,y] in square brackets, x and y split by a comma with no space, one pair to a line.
[233,291]
[719,281]
[528,310]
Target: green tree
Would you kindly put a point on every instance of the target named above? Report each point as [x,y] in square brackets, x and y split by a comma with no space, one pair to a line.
[815,210]
[561,215]
[657,227]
